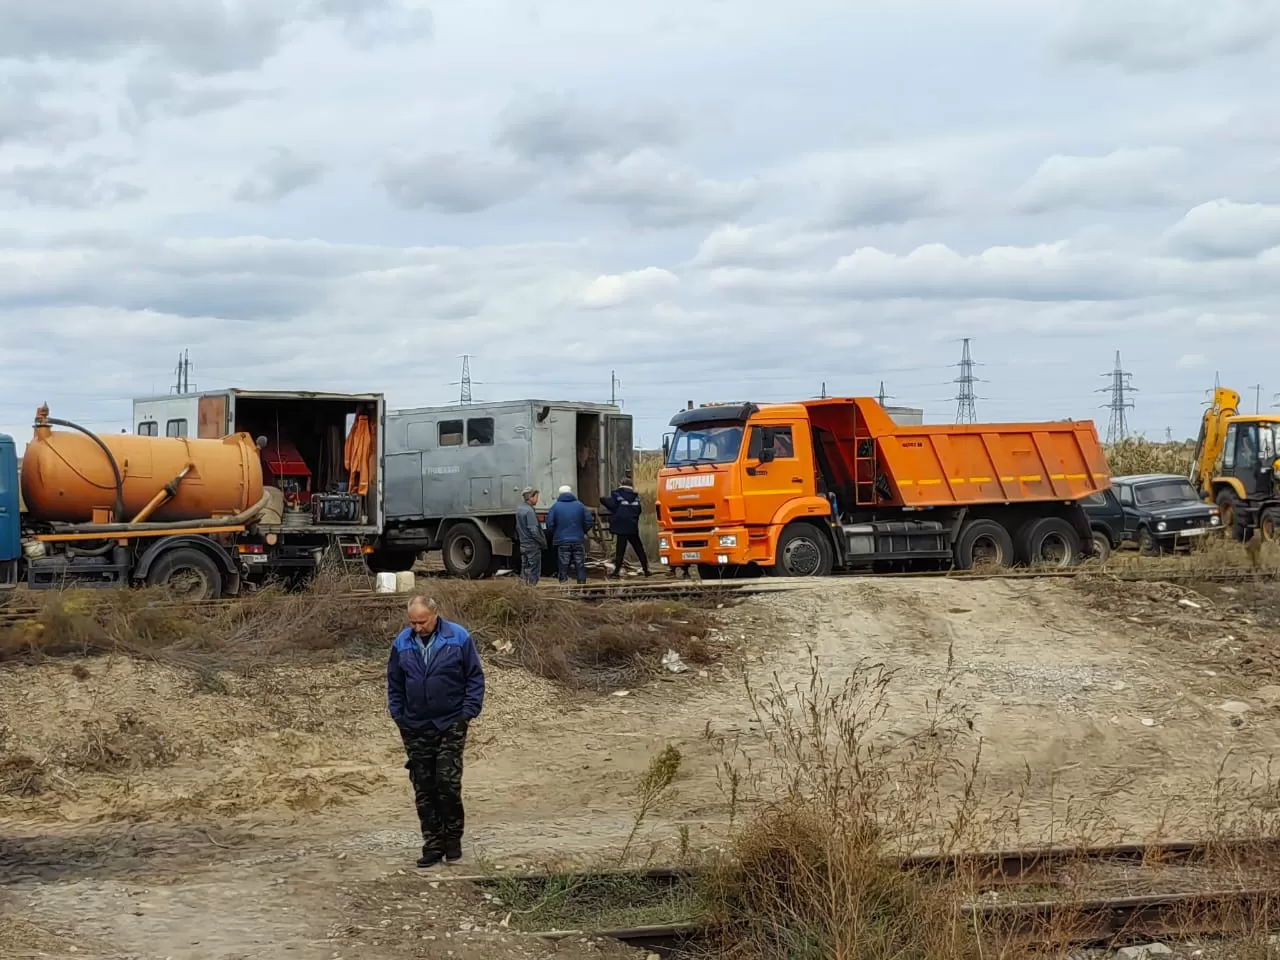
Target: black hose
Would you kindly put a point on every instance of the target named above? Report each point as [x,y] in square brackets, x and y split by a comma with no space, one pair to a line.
[115,467]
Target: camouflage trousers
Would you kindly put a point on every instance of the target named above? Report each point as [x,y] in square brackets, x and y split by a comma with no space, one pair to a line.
[435,770]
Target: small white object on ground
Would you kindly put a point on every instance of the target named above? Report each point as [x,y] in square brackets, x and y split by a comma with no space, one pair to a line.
[671,660]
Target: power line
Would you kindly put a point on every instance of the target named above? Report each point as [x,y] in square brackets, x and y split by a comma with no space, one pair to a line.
[1121,387]
[966,409]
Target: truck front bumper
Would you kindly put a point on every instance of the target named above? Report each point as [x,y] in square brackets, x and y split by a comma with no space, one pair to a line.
[723,547]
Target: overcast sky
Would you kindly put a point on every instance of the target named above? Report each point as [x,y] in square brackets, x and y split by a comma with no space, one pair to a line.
[717,200]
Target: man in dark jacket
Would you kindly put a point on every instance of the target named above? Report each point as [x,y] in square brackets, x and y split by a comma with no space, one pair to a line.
[624,508]
[435,688]
[568,521]
[532,540]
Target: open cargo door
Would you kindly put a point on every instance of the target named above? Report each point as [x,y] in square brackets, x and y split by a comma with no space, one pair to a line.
[211,418]
[618,450]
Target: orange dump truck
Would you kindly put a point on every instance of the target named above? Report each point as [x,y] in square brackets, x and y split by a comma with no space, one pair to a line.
[800,489]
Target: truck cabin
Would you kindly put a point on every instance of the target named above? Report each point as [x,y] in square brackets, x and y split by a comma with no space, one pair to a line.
[305,454]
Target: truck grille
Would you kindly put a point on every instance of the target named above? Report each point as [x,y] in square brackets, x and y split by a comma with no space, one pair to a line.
[692,513]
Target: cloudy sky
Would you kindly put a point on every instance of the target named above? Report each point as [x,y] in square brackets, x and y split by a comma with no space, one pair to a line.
[715,199]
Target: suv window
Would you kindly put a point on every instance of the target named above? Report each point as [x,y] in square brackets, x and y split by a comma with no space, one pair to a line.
[1098,499]
[1126,495]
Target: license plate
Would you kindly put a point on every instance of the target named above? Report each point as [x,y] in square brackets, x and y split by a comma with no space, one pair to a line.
[1197,532]
[691,555]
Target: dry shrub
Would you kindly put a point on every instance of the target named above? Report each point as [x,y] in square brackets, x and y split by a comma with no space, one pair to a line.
[1135,455]
[126,742]
[590,644]
[809,873]
[21,775]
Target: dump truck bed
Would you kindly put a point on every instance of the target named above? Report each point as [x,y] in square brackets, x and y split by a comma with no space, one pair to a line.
[942,465]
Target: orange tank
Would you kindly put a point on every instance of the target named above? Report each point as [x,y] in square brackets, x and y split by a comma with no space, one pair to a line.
[67,478]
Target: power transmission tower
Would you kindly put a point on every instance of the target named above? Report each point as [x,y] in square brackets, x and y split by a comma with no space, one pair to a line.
[1168,434]
[882,397]
[183,384]
[823,395]
[464,394]
[966,411]
[1121,387]
[614,384]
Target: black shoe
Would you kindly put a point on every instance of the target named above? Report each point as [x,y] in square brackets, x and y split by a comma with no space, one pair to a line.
[453,854]
[429,858]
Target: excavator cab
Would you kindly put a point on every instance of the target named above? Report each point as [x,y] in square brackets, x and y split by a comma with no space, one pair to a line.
[1237,466]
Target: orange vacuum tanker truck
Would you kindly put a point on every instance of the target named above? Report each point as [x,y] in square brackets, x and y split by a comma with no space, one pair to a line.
[801,489]
[190,514]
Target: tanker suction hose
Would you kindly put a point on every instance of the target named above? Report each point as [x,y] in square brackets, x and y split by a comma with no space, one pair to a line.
[44,420]
[239,519]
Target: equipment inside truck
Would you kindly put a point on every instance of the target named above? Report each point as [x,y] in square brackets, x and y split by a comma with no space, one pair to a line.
[318,454]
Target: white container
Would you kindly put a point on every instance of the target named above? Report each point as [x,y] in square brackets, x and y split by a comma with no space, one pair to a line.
[405,581]
[385,583]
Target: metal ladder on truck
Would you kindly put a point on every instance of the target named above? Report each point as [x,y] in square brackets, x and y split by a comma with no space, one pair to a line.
[349,550]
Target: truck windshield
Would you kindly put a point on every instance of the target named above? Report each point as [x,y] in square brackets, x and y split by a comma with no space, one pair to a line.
[1168,491]
[705,444]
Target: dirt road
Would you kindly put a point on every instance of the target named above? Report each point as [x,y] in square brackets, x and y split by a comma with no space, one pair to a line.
[172,813]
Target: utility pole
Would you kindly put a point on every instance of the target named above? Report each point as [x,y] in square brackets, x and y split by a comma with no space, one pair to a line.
[1257,398]
[1120,388]
[614,384]
[464,394]
[966,410]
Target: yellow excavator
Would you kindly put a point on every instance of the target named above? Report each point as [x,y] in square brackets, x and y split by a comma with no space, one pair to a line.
[1237,466]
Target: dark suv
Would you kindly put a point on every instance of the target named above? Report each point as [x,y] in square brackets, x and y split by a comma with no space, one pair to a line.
[1162,512]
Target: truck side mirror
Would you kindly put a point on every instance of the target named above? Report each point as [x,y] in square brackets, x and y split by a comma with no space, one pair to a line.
[767,451]
[666,447]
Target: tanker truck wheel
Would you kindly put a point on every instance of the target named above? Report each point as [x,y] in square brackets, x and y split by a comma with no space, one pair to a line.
[188,574]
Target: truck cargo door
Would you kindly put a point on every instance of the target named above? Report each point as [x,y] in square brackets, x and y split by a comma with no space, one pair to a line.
[211,417]
[484,496]
[402,485]
[619,450]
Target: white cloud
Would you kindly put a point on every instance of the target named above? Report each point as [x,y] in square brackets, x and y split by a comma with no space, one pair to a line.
[650,190]
[1167,35]
[1124,177]
[613,290]
[1221,228]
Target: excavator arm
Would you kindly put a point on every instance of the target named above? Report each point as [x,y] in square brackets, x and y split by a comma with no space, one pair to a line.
[1213,432]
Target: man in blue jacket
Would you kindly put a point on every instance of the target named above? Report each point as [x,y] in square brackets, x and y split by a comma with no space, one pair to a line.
[435,688]
[568,521]
[624,508]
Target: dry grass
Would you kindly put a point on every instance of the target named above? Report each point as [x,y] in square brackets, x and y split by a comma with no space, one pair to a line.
[594,646]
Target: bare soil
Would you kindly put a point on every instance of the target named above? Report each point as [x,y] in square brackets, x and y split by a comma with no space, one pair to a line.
[153,811]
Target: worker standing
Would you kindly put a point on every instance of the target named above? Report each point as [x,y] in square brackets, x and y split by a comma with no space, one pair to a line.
[624,508]
[435,688]
[568,521]
[532,540]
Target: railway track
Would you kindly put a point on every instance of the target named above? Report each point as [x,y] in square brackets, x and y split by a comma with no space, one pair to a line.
[1236,891]
[20,607]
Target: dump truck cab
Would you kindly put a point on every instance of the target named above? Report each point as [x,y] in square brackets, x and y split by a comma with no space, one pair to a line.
[800,489]
[1237,466]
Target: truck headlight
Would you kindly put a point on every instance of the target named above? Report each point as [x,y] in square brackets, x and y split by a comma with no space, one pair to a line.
[1214,521]
[662,543]
[1161,526]
[729,540]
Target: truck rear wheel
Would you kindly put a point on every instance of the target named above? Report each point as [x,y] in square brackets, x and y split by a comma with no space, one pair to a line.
[391,561]
[187,573]
[1049,541]
[983,543]
[467,552]
[803,551]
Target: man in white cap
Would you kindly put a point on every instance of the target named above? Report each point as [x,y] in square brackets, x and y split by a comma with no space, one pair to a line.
[568,521]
